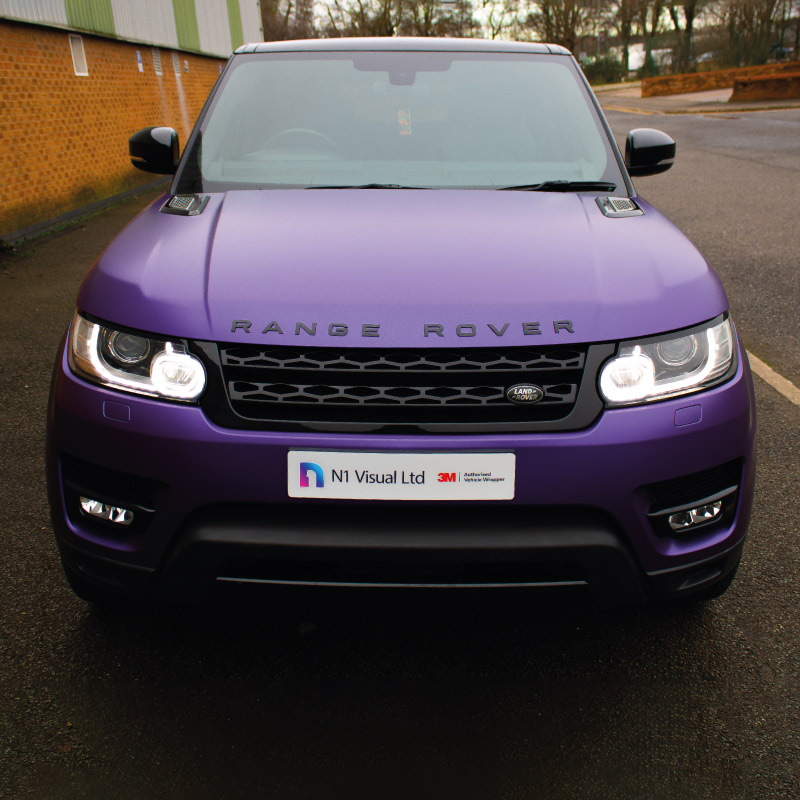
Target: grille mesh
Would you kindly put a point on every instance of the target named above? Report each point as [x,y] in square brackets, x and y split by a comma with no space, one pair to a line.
[182,202]
[386,395]
[290,358]
[688,488]
[398,386]
[622,204]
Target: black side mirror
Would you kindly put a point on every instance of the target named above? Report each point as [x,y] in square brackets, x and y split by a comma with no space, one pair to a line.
[648,152]
[155,150]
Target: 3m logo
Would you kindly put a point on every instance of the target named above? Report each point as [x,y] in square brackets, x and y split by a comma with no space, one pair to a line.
[310,468]
[447,477]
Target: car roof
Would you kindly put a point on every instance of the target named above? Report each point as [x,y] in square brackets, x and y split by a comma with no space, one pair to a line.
[403,43]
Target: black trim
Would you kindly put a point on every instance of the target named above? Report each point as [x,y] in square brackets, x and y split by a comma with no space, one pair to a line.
[687,489]
[630,191]
[476,546]
[115,488]
[188,175]
[697,578]
[186,205]
[691,491]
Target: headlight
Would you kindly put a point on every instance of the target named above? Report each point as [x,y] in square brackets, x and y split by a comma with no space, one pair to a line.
[134,363]
[668,366]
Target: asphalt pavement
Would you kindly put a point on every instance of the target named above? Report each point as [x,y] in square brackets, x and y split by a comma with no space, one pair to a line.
[483,697]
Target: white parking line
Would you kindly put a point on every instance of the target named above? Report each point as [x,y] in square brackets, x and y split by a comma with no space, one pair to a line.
[776,381]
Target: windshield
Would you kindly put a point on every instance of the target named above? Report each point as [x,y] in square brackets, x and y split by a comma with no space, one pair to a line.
[396,120]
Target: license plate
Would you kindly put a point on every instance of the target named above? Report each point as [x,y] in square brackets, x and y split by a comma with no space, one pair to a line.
[401,476]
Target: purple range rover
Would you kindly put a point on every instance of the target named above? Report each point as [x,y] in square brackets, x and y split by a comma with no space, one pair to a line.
[401,320]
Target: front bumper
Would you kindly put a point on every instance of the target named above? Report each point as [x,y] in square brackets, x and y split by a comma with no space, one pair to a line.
[214,505]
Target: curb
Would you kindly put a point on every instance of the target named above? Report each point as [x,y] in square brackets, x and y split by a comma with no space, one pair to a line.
[697,111]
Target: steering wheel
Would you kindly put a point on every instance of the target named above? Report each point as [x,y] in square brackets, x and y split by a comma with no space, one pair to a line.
[293,133]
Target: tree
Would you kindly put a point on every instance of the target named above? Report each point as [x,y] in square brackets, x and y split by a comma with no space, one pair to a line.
[749,27]
[362,18]
[684,59]
[649,18]
[620,16]
[399,17]
[304,19]
[292,20]
[787,16]
[559,21]
[502,17]
[434,18]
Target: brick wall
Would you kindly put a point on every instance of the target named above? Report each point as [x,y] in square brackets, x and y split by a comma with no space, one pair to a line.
[705,81]
[64,138]
[768,87]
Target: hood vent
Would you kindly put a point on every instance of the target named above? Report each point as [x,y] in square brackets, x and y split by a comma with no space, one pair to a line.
[619,207]
[186,205]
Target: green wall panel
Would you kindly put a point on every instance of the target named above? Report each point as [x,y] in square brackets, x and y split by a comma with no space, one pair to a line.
[235,19]
[186,23]
[94,15]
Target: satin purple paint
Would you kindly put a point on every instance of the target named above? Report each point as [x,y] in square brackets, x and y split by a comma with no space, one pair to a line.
[393,269]
[401,261]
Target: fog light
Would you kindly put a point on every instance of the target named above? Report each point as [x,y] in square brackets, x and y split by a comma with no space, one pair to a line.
[695,517]
[681,520]
[115,514]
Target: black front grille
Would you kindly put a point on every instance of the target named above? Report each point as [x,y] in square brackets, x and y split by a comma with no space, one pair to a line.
[423,389]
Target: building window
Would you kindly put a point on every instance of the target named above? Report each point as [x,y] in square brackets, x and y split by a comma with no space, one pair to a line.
[176,64]
[157,60]
[78,55]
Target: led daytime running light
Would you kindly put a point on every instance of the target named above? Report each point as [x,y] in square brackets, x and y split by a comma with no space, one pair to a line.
[638,374]
[173,373]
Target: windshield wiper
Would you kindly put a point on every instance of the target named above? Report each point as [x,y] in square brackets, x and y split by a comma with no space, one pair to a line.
[370,186]
[562,186]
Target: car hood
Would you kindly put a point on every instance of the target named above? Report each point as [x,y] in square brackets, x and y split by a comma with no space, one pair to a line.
[375,267]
